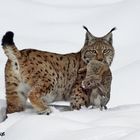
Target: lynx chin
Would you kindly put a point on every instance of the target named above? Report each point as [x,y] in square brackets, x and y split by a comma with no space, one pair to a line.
[44,77]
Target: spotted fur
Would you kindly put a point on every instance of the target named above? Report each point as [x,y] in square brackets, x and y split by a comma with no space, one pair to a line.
[45,77]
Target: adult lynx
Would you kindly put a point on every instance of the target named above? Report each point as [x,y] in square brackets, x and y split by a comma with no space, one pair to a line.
[44,77]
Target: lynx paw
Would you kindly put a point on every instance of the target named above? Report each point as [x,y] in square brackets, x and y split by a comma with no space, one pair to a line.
[78,101]
[76,106]
[12,109]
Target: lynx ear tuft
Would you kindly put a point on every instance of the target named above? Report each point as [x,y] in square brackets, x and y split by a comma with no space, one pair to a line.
[108,36]
[113,29]
[89,36]
[85,28]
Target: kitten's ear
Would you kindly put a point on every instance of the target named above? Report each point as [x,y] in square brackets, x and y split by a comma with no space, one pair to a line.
[89,36]
[108,36]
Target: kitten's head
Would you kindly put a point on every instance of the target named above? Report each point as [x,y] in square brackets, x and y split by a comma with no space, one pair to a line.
[91,81]
[88,84]
[98,48]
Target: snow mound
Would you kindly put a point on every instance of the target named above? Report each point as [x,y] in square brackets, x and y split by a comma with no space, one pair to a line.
[113,124]
[125,85]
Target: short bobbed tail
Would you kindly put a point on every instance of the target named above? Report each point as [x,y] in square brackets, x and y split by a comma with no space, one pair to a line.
[8,39]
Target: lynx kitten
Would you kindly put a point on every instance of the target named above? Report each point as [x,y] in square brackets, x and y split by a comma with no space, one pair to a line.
[98,75]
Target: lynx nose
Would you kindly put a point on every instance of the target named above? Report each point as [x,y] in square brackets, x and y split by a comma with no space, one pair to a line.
[100,59]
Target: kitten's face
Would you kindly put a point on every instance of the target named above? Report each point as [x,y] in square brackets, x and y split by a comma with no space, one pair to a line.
[100,49]
[90,82]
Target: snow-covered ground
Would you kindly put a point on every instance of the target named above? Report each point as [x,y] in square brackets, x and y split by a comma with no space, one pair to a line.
[56,26]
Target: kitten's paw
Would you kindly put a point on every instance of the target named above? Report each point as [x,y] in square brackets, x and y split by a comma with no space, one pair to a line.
[105,107]
[45,112]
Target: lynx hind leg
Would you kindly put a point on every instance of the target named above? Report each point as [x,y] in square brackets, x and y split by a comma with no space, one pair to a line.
[15,99]
[36,97]
[15,102]
[78,98]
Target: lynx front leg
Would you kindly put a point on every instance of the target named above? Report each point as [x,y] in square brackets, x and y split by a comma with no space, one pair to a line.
[78,98]
[36,98]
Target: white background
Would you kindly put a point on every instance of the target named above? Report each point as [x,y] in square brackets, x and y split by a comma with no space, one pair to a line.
[56,26]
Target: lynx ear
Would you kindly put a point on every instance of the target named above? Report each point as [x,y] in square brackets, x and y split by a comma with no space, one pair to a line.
[108,36]
[89,36]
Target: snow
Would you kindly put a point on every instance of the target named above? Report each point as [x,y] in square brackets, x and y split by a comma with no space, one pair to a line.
[56,26]
[86,124]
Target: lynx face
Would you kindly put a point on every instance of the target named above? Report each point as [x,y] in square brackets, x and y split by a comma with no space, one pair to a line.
[96,48]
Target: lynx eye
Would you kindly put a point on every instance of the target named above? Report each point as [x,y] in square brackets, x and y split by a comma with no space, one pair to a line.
[106,51]
[91,52]
[94,51]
